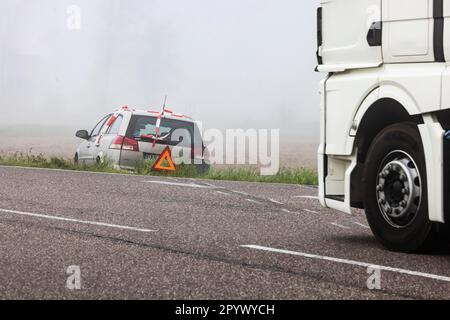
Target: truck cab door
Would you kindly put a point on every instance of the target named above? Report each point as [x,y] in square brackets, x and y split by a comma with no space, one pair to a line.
[346,30]
[408,28]
[413,50]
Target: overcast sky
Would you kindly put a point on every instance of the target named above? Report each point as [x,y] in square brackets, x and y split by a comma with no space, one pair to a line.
[230,63]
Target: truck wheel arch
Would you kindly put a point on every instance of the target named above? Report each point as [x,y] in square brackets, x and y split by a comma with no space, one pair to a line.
[372,117]
[372,120]
[388,111]
[391,94]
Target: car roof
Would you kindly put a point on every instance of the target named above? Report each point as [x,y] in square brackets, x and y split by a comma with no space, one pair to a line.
[167,115]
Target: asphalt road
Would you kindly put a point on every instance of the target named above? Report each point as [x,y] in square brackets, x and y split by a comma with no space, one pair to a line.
[152,238]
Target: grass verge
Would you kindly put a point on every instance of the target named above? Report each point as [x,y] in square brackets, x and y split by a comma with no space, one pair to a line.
[300,176]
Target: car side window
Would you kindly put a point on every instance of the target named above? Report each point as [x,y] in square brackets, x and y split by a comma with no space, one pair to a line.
[97,129]
[116,126]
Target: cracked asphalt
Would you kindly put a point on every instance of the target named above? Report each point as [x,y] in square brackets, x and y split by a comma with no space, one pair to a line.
[137,237]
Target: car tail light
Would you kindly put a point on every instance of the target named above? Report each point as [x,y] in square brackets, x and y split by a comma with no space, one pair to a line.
[117,143]
[124,143]
[130,144]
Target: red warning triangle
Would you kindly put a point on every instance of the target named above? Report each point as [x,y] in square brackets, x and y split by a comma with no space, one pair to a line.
[165,156]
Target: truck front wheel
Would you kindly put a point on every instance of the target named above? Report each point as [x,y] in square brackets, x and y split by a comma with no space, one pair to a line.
[395,185]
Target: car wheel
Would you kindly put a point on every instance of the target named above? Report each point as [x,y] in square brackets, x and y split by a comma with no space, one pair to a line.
[395,183]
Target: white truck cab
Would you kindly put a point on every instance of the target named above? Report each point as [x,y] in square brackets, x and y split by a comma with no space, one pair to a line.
[385,114]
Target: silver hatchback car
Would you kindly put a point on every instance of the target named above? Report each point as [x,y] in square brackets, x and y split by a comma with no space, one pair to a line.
[128,137]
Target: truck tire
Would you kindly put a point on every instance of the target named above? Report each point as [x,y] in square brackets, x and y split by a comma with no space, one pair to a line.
[395,184]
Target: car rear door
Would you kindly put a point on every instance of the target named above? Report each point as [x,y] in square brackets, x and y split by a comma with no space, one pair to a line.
[102,148]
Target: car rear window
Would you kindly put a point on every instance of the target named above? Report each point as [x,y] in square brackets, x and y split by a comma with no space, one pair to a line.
[143,126]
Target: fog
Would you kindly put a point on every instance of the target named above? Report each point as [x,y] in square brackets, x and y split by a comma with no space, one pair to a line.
[233,63]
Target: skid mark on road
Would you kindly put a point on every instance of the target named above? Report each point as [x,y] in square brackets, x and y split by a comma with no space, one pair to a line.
[350,262]
[92,223]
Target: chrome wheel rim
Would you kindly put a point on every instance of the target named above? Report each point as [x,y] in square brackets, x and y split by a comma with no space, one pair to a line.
[399,189]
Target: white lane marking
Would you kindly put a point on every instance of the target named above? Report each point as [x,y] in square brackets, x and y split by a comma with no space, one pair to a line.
[209,184]
[176,184]
[101,224]
[289,211]
[240,192]
[74,171]
[362,225]
[275,201]
[311,211]
[307,197]
[351,262]
[339,225]
[253,201]
[223,193]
